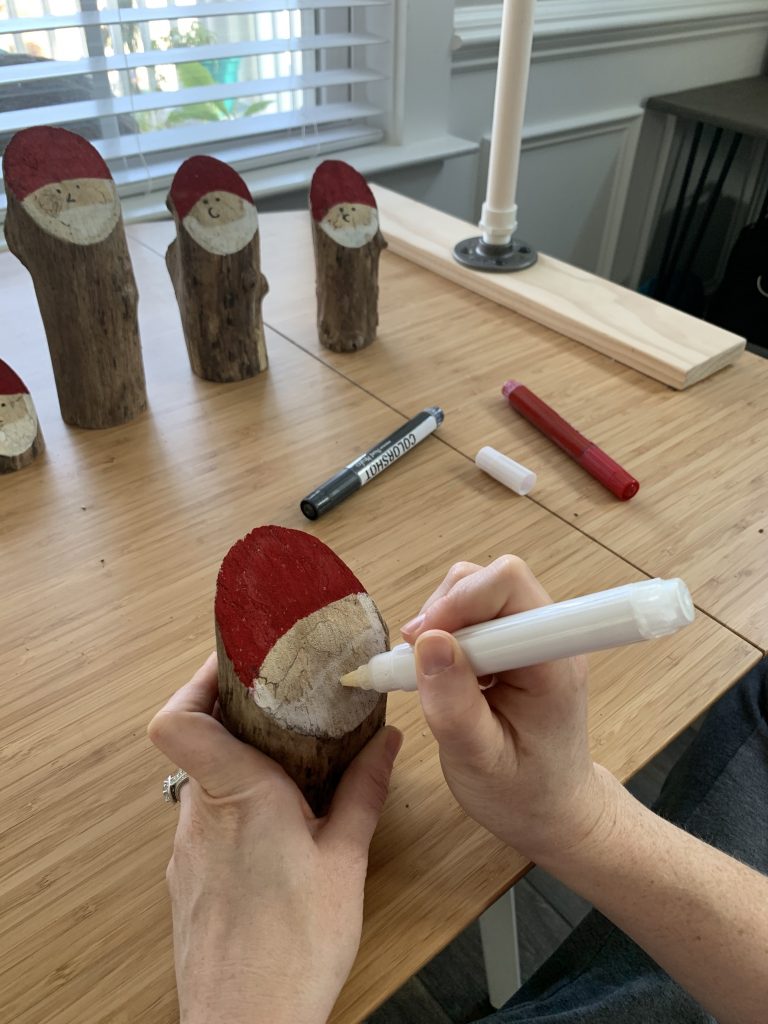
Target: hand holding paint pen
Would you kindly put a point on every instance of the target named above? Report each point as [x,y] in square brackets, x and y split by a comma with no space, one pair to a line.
[611,618]
[371,463]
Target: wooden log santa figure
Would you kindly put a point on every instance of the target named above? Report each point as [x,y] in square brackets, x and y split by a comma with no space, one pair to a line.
[347,243]
[21,439]
[65,225]
[215,266]
[291,619]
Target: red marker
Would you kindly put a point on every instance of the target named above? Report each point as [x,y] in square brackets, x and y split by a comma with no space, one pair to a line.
[588,455]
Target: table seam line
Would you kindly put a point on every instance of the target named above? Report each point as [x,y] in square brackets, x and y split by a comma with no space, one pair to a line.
[536,502]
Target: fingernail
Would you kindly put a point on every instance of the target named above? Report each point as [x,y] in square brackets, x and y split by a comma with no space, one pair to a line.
[434,654]
[413,625]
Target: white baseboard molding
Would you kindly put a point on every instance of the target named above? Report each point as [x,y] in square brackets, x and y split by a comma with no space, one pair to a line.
[552,133]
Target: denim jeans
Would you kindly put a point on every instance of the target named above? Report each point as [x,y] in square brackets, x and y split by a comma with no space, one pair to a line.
[717,791]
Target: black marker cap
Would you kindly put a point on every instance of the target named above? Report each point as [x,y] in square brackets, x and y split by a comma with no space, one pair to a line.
[330,494]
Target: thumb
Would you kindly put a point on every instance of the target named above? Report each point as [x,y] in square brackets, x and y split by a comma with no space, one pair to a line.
[186,731]
[359,798]
[456,711]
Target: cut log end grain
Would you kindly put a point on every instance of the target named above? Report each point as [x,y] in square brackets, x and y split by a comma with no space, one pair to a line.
[291,619]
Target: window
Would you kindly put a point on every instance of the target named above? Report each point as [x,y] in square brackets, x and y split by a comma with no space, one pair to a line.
[148,82]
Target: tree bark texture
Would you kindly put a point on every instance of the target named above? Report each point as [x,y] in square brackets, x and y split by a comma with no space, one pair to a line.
[219,301]
[347,287]
[88,301]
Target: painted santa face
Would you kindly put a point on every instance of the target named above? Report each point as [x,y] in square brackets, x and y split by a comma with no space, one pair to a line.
[351,224]
[222,223]
[290,686]
[77,210]
[18,424]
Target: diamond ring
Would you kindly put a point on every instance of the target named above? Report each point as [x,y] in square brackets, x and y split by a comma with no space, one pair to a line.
[173,784]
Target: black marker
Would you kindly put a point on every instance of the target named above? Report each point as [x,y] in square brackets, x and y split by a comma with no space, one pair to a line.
[369,465]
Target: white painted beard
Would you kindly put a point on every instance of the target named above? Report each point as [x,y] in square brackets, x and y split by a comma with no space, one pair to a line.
[298,681]
[81,225]
[224,239]
[18,424]
[352,237]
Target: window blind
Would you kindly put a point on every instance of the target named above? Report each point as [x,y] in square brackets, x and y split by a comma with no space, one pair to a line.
[250,81]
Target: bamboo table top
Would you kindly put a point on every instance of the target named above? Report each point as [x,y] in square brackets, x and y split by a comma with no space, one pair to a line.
[702,509]
[111,545]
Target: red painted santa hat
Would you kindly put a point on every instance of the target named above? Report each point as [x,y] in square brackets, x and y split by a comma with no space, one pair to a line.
[268,581]
[10,382]
[335,182]
[200,175]
[43,155]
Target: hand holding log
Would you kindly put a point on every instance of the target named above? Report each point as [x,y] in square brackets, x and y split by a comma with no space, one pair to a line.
[291,619]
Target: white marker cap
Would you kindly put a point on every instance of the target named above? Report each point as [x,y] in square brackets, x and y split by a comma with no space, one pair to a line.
[505,470]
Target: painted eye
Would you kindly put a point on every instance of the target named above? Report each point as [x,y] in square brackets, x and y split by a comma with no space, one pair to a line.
[77,186]
[205,201]
[218,199]
[58,190]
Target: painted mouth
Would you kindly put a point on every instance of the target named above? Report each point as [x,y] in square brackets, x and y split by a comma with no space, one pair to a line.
[212,213]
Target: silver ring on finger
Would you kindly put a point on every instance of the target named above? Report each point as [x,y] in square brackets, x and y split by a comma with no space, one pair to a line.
[172,786]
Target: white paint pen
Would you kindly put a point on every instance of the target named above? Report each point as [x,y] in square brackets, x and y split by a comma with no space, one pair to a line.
[611,618]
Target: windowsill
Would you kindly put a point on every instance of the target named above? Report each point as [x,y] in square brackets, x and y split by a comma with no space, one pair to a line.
[282,178]
[296,175]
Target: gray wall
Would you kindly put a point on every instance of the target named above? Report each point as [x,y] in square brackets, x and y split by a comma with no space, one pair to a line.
[584,115]
[588,151]
[592,186]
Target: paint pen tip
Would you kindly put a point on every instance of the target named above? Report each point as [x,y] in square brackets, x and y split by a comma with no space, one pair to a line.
[360,678]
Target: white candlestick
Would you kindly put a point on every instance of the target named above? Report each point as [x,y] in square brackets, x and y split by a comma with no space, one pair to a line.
[498,222]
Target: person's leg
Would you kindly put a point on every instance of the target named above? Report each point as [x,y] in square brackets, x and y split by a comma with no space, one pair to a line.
[718,791]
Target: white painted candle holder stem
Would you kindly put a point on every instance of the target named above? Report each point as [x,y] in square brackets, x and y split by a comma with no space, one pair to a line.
[496,249]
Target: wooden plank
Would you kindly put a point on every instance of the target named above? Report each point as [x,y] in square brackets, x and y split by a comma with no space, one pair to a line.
[699,454]
[655,339]
[112,541]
